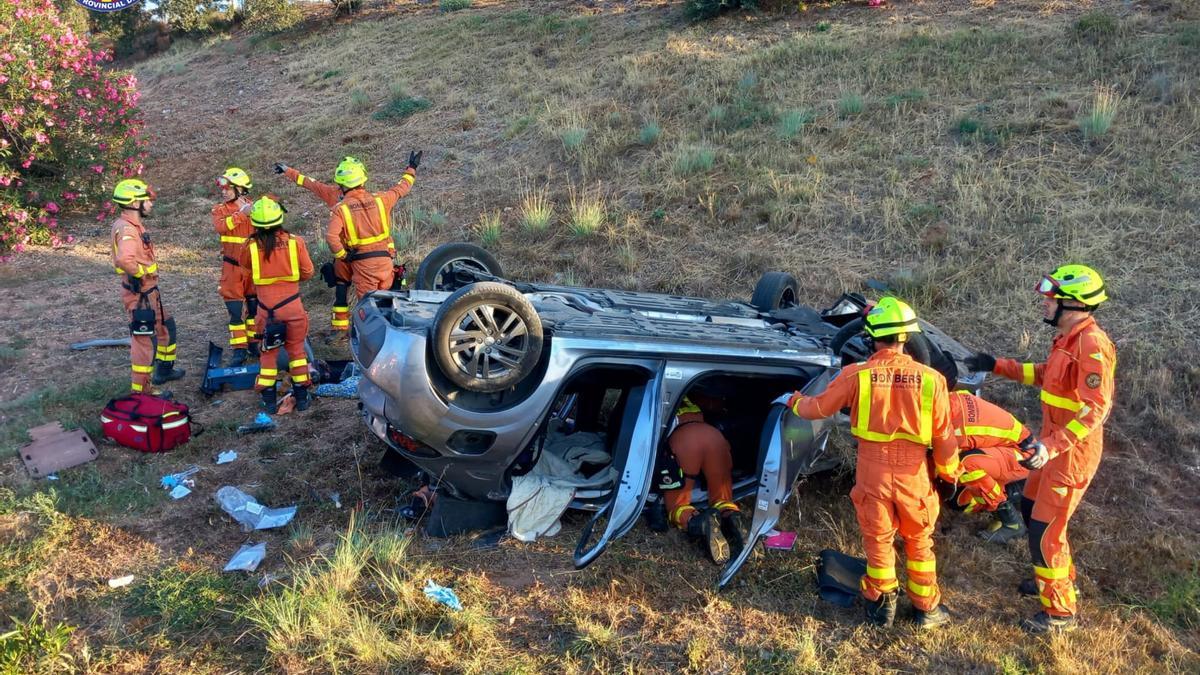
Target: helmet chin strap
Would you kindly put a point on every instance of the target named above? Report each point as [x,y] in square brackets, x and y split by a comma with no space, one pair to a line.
[1053,321]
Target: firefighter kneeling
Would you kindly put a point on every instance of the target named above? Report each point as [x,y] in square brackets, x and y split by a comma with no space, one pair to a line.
[278,261]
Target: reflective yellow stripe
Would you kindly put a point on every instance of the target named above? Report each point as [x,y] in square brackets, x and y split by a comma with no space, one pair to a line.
[237,326]
[863,414]
[297,363]
[1013,434]
[920,589]
[143,369]
[341,309]
[948,469]
[1045,601]
[300,378]
[265,381]
[270,372]
[409,177]
[340,254]
[135,386]
[293,260]
[226,239]
[166,357]
[972,476]
[1078,429]
[168,348]
[1060,402]
[352,232]
[339,323]
[237,340]
[1052,572]
[726,506]
[678,513]
[881,572]
[1061,490]
[1028,374]
[922,565]
[300,179]
[228,225]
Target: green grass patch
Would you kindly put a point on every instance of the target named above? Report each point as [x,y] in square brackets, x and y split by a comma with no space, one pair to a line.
[489,227]
[359,101]
[649,134]
[34,646]
[587,213]
[330,73]
[400,107]
[181,601]
[573,138]
[1096,27]
[1179,603]
[537,211]
[693,159]
[454,5]
[1104,109]
[74,407]
[40,529]
[910,97]
[850,105]
[792,123]
[518,126]
[84,491]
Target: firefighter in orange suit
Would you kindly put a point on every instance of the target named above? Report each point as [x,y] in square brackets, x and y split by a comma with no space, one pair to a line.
[1077,393]
[359,232]
[898,409]
[277,262]
[698,448]
[991,446]
[152,347]
[233,226]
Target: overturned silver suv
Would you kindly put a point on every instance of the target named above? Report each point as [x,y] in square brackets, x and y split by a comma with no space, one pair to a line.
[466,375]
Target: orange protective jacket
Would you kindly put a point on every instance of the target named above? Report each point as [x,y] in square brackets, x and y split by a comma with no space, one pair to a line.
[234,228]
[360,221]
[1077,394]
[278,277]
[133,254]
[982,424]
[898,409]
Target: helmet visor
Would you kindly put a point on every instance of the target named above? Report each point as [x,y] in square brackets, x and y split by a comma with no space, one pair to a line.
[1048,287]
[222,181]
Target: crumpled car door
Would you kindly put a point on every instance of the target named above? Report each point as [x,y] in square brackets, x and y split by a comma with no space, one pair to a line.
[789,447]
[635,454]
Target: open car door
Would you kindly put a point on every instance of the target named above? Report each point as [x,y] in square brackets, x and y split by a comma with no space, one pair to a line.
[634,454]
[790,446]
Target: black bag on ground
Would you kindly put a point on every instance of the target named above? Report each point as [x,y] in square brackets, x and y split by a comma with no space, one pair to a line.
[838,577]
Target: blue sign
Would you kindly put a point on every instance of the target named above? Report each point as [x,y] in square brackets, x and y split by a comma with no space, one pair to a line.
[106,5]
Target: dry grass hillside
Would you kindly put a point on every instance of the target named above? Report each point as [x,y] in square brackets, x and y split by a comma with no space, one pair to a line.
[953,151]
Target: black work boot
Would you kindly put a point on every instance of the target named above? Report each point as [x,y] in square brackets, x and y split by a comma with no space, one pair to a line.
[1006,527]
[270,401]
[164,372]
[1042,623]
[882,612]
[938,616]
[656,517]
[731,529]
[700,529]
[302,398]
[238,358]
[255,352]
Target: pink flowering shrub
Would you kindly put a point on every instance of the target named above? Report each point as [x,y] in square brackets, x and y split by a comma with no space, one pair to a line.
[69,127]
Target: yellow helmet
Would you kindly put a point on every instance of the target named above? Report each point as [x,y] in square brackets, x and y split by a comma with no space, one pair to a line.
[1074,282]
[132,190]
[235,176]
[891,317]
[350,173]
[266,213]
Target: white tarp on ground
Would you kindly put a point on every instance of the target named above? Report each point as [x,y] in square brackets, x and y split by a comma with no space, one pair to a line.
[539,498]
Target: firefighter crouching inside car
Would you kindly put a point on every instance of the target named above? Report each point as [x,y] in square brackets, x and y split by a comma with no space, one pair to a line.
[898,409]
[152,330]
[697,448]
[992,443]
[277,262]
[1077,393]
[359,232]
[234,228]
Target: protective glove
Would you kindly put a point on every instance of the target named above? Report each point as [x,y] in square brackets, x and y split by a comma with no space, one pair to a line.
[327,274]
[981,362]
[414,159]
[1036,457]
[280,167]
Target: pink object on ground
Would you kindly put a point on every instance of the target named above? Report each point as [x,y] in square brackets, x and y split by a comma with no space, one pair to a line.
[876,3]
[783,541]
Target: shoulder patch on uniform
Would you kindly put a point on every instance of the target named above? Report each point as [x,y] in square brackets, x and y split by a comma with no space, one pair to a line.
[1093,381]
[1098,356]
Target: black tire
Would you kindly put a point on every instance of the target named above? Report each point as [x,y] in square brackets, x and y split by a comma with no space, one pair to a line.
[436,271]
[487,337]
[775,290]
[918,346]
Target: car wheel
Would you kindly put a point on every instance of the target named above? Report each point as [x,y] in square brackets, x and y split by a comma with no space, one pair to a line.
[918,346]
[487,337]
[775,290]
[451,266]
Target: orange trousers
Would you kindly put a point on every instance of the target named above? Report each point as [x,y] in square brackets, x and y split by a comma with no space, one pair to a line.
[700,449]
[143,349]
[367,275]
[986,472]
[295,319]
[893,493]
[1051,497]
[236,288]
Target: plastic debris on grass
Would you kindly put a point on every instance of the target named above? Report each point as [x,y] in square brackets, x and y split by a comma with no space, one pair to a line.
[262,422]
[442,595]
[179,492]
[226,457]
[247,558]
[252,515]
[118,582]
[172,480]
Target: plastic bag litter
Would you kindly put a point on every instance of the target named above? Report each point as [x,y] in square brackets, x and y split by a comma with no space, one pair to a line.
[347,388]
[247,558]
[252,515]
[118,582]
[175,479]
[262,422]
[226,457]
[442,595]
[179,492]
